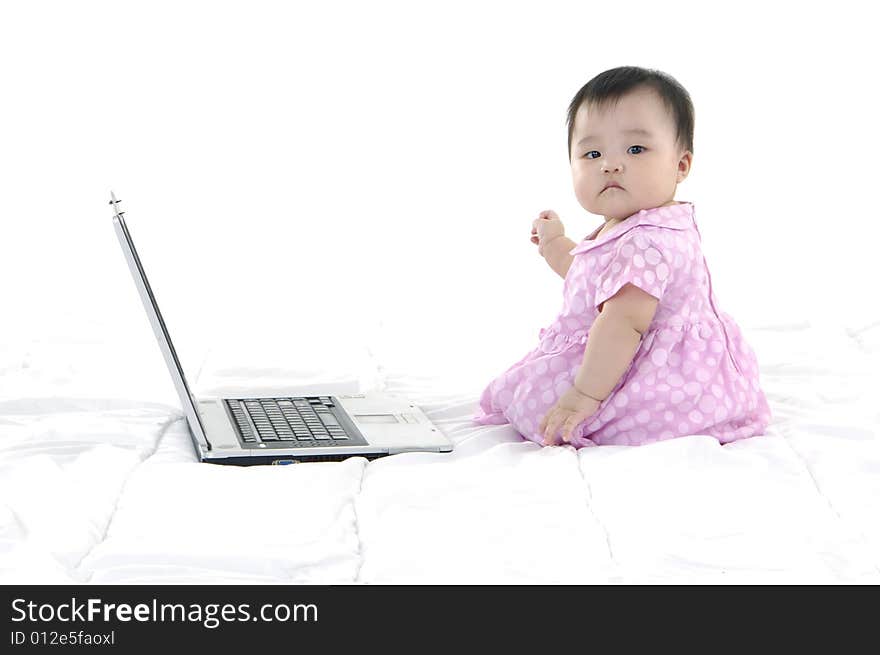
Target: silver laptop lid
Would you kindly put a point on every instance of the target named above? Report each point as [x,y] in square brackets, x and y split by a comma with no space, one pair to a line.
[143,286]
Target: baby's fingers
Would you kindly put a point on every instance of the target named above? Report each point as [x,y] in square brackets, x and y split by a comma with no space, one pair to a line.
[568,428]
[551,429]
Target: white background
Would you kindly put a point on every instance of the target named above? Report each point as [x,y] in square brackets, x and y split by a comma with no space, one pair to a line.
[382,162]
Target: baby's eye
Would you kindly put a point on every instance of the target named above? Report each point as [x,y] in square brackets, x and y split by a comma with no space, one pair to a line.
[587,154]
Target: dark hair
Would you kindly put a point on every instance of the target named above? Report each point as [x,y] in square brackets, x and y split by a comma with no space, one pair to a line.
[607,88]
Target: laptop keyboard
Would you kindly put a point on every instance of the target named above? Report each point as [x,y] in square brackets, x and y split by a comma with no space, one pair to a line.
[274,420]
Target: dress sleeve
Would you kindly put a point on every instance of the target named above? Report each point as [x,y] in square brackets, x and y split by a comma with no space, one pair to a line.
[637,259]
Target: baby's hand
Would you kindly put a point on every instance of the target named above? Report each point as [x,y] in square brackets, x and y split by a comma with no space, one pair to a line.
[546,228]
[571,408]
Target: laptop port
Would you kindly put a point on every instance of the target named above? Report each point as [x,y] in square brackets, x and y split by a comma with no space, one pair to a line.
[284,462]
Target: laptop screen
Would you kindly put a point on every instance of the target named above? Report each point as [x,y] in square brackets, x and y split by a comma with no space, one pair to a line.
[155,316]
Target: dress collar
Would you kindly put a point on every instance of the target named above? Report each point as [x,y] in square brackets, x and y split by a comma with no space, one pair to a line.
[673,217]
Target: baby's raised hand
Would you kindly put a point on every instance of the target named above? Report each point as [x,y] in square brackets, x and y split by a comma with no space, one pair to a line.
[545,228]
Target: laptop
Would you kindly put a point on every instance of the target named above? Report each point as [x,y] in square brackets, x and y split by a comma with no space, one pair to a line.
[281,428]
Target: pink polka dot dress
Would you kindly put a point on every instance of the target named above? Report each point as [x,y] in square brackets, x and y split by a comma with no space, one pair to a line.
[693,373]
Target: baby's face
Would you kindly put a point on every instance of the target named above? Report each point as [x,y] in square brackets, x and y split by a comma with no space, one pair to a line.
[647,165]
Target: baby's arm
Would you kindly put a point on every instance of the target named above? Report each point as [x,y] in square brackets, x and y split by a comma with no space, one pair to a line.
[614,339]
[556,253]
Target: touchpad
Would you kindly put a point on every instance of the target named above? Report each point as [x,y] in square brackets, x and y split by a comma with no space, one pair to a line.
[376,418]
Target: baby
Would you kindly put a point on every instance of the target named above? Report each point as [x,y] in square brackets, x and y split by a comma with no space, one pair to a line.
[641,351]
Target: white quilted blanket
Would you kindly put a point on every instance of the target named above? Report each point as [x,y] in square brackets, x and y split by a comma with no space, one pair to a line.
[97,488]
